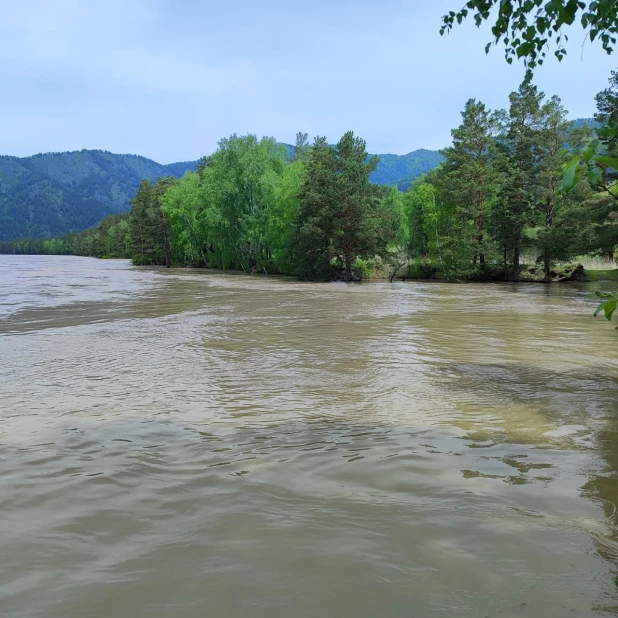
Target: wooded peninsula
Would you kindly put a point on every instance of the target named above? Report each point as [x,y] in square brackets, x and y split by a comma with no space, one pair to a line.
[507,189]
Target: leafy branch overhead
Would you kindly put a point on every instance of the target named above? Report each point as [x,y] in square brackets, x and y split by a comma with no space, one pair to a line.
[527,27]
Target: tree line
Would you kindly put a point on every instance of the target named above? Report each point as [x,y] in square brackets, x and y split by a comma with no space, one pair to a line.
[500,199]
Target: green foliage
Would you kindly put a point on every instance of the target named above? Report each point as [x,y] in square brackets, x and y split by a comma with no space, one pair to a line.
[149,226]
[527,27]
[500,191]
[108,239]
[608,305]
[342,216]
[506,184]
[361,268]
[53,194]
[402,170]
[471,179]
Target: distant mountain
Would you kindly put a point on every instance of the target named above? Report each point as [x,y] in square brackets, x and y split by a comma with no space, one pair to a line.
[51,194]
[399,170]
[402,170]
[580,122]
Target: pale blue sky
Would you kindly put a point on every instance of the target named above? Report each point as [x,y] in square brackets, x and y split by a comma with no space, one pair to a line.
[168,78]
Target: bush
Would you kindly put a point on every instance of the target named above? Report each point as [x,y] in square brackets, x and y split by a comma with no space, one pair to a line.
[423,269]
[362,269]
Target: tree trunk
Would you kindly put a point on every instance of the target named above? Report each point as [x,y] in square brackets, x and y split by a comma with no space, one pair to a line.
[396,269]
[547,247]
[506,271]
[516,251]
[481,224]
[348,266]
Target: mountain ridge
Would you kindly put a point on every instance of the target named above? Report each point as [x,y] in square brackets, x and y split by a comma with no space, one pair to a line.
[50,194]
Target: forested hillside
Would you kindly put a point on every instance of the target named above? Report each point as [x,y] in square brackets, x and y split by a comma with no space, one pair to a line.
[512,198]
[52,194]
[402,171]
[49,195]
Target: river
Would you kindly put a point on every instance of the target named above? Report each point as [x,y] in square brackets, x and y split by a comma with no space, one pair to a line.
[184,443]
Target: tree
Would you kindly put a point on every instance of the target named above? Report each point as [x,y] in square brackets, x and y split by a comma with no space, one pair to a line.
[316,215]
[551,151]
[225,211]
[183,206]
[140,224]
[519,144]
[442,228]
[302,146]
[469,172]
[148,224]
[357,208]
[597,163]
[160,222]
[607,115]
[282,221]
[413,201]
[526,27]
[607,102]
[340,219]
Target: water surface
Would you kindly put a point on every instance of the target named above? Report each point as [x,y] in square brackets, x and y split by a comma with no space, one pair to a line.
[188,443]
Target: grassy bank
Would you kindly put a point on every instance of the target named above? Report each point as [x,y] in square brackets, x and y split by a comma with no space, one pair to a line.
[602,275]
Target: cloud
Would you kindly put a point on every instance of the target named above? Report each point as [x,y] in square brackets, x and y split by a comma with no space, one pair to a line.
[168,79]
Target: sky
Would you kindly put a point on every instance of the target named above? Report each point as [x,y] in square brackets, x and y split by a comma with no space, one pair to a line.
[167,79]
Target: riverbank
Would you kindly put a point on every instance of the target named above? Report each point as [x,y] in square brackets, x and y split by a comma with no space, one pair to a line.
[528,274]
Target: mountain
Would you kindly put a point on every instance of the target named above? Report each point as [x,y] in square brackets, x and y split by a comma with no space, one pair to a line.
[51,194]
[580,122]
[399,170]
[402,170]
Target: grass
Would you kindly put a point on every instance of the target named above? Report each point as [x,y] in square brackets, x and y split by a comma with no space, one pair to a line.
[601,275]
[595,263]
[597,268]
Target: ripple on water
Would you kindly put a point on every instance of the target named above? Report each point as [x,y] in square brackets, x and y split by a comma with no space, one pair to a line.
[202,443]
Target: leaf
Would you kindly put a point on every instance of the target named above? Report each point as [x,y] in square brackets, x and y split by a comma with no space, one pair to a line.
[609,308]
[588,152]
[609,161]
[594,176]
[570,176]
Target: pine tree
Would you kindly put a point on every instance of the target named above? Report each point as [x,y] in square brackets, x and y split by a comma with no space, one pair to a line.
[469,172]
[520,147]
[339,216]
[550,148]
[140,224]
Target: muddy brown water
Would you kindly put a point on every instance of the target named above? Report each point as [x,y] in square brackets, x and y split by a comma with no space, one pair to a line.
[189,443]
